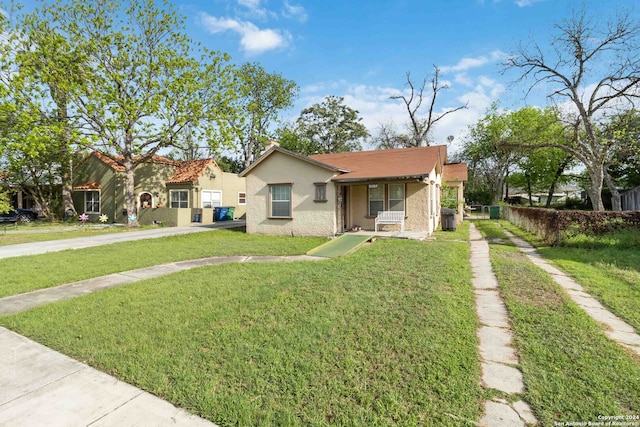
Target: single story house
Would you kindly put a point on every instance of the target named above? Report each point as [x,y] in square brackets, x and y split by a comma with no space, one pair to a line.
[167,191]
[327,194]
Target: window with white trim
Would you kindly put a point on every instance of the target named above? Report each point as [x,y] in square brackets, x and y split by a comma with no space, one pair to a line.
[376,199]
[211,198]
[179,198]
[92,202]
[242,198]
[280,200]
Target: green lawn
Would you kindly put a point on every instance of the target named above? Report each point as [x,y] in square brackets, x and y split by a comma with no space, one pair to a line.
[23,274]
[572,372]
[10,234]
[385,336]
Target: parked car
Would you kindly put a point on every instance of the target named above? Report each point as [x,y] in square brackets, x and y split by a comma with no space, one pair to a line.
[19,215]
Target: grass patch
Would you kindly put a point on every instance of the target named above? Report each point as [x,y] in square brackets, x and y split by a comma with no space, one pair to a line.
[29,234]
[23,274]
[607,267]
[385,336]
[571,370]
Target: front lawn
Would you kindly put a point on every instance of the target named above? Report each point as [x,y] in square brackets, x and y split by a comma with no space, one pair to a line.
[385,336]
[39,231]
[27,273]
[572,371]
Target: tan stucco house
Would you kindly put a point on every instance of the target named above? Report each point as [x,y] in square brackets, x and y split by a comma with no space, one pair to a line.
[167,191]
[327,194]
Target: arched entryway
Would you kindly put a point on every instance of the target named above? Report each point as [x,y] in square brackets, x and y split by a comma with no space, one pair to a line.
[145,200]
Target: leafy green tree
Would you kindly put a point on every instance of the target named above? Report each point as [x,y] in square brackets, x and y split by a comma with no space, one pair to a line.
[229,164]
[331,127]
[511,147]
[39,71]
[261,96]
[623,168]
[289,137]
[489,156]
[143,83]
[592,65]
[5,205]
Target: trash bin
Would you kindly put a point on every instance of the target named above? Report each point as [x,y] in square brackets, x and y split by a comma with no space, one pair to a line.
[494,212]
[448,219]
[220,213]
[196,218]
[230,210]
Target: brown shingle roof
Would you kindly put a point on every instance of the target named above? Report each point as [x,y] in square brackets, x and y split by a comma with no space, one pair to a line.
[381,164]
[189,171]
[455,172]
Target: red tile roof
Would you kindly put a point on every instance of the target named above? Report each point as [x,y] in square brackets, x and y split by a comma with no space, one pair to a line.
[91,185]
[189,171]
[381,164]
[455,172]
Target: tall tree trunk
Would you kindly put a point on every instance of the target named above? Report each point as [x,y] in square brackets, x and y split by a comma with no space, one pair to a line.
[129,193]
[556,177]
[529,190]
[595,190]
[616,200]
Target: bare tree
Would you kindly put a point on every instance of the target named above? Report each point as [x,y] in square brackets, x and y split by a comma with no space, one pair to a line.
[594,67]
[419,125]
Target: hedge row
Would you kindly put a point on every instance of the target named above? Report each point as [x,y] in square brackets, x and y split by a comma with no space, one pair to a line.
[552,225]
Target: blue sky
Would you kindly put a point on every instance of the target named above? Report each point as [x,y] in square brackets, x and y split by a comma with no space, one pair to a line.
[362,50]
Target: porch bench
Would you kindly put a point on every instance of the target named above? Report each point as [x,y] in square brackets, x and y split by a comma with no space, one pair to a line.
[390,217]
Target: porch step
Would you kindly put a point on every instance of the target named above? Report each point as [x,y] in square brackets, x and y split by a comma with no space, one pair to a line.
[343,245]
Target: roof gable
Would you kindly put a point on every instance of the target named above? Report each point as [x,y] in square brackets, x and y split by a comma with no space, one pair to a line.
[455,172]
[386,164]
[277,149]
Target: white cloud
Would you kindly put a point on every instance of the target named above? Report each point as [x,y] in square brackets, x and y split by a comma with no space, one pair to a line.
[525,3]
[294,12]
[466,64]
[253,40]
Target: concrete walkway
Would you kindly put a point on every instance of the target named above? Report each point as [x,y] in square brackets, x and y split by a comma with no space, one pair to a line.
[41,387]
[499,359]
[36,248]
[615,328]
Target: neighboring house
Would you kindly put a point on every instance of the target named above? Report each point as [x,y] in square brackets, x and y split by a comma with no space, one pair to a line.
[631,199]
[167,191]
[327,194]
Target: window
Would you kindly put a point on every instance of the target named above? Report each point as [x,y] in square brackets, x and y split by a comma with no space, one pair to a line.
[179,198]
[211,199]
[396,197]
[92,202]
[242,198]
[383,196]
[321,192]
[280,195]
[376,199]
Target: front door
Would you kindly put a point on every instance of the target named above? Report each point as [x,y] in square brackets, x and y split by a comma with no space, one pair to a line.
[345,207]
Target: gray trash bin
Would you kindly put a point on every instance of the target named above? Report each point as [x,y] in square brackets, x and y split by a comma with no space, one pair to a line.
[448,219]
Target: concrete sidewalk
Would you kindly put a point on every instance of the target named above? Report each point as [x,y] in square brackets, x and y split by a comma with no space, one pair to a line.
[9,251]
[41,387]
